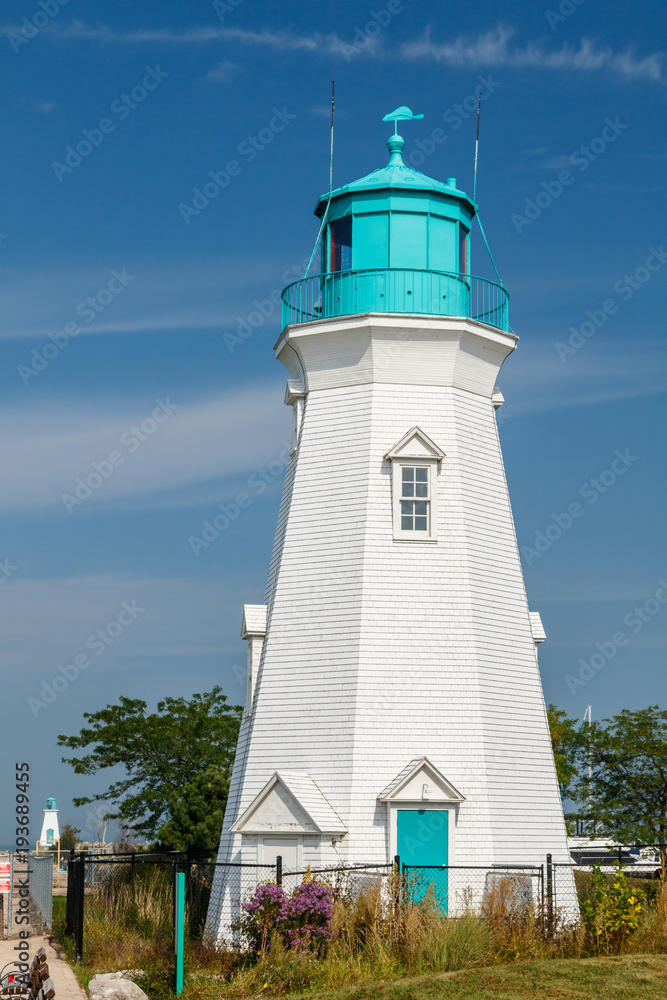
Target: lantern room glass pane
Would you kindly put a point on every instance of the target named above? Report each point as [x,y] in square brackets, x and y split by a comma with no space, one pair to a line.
[340,244]
[463,250]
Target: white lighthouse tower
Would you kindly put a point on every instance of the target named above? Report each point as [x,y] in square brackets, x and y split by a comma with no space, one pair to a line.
[50,829]
[394,701]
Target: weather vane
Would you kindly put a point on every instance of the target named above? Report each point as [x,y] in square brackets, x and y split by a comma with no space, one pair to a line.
[401,114]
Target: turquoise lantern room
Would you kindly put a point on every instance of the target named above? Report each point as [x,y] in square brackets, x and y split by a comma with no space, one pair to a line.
[396,241]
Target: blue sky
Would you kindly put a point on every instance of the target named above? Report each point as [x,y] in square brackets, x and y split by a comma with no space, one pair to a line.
[162,95]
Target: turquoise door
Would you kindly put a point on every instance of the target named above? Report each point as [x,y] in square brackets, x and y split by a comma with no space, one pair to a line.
[422,839]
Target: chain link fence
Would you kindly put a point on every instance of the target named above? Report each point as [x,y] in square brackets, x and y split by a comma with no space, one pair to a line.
[347,880]
[574,883]
[120,908]
[41,891]
[124,905]
[30,895]
[459,889]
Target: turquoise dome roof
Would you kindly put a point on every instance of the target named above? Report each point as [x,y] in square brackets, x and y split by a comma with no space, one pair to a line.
[396,174]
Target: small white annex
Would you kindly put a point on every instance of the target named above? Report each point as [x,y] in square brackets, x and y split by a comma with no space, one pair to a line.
[394,703]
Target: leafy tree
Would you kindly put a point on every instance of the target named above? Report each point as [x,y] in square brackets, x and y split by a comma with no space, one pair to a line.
[69,837]
[627,786]
[197,812]
[565,741]
[162,753]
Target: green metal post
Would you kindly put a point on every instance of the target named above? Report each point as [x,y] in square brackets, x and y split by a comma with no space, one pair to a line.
[180,930]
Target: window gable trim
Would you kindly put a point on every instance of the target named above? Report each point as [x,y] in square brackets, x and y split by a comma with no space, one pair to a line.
[415,444]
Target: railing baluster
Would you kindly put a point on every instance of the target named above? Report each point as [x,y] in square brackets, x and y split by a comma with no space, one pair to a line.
[440,293]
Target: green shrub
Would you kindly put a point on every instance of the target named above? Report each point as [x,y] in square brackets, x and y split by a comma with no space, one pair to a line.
[612,910]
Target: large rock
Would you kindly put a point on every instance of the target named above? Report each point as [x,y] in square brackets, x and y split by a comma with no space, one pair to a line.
[114,986]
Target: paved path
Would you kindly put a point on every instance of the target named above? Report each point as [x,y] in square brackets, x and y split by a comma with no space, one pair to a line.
[64,980]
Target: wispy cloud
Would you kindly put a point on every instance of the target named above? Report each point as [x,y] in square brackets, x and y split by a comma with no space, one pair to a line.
[183,294]
[224,72]
[45,107]
[492,48]
[496,48]
[45,450]
[267,38]
[535,381]
[45,621]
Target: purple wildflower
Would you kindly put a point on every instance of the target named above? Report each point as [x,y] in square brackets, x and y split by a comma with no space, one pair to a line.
[261,912]
[305,918]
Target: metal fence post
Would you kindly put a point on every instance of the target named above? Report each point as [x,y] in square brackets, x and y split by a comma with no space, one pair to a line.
[80,901]
[179,930]
[69,899]
[174,876]
[279,870]
[397,875]
[550,895]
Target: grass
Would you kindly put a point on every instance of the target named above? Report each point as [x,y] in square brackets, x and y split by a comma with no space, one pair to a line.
[636,977]
[413,952]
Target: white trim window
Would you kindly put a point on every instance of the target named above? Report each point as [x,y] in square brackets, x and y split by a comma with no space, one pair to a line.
[415,499]
[414,488]
[414,464]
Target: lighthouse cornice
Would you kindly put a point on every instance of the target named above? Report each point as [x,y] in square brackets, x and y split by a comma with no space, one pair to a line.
[400,349]
[396,321]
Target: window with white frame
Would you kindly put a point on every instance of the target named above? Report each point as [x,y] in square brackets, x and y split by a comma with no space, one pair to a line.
[414,483]
[415,499]
[415,462]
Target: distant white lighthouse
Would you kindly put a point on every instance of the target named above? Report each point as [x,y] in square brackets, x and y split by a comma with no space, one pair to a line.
[50,828]
[394,701]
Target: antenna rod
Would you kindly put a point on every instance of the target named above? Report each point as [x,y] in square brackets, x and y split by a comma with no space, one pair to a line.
[474,188]
[479,104]
[326,210]
[588,717]
[333,108]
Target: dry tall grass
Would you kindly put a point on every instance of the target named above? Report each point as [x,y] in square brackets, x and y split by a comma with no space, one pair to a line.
[129,924]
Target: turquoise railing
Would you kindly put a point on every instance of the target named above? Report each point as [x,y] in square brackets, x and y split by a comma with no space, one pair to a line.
[395,290]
